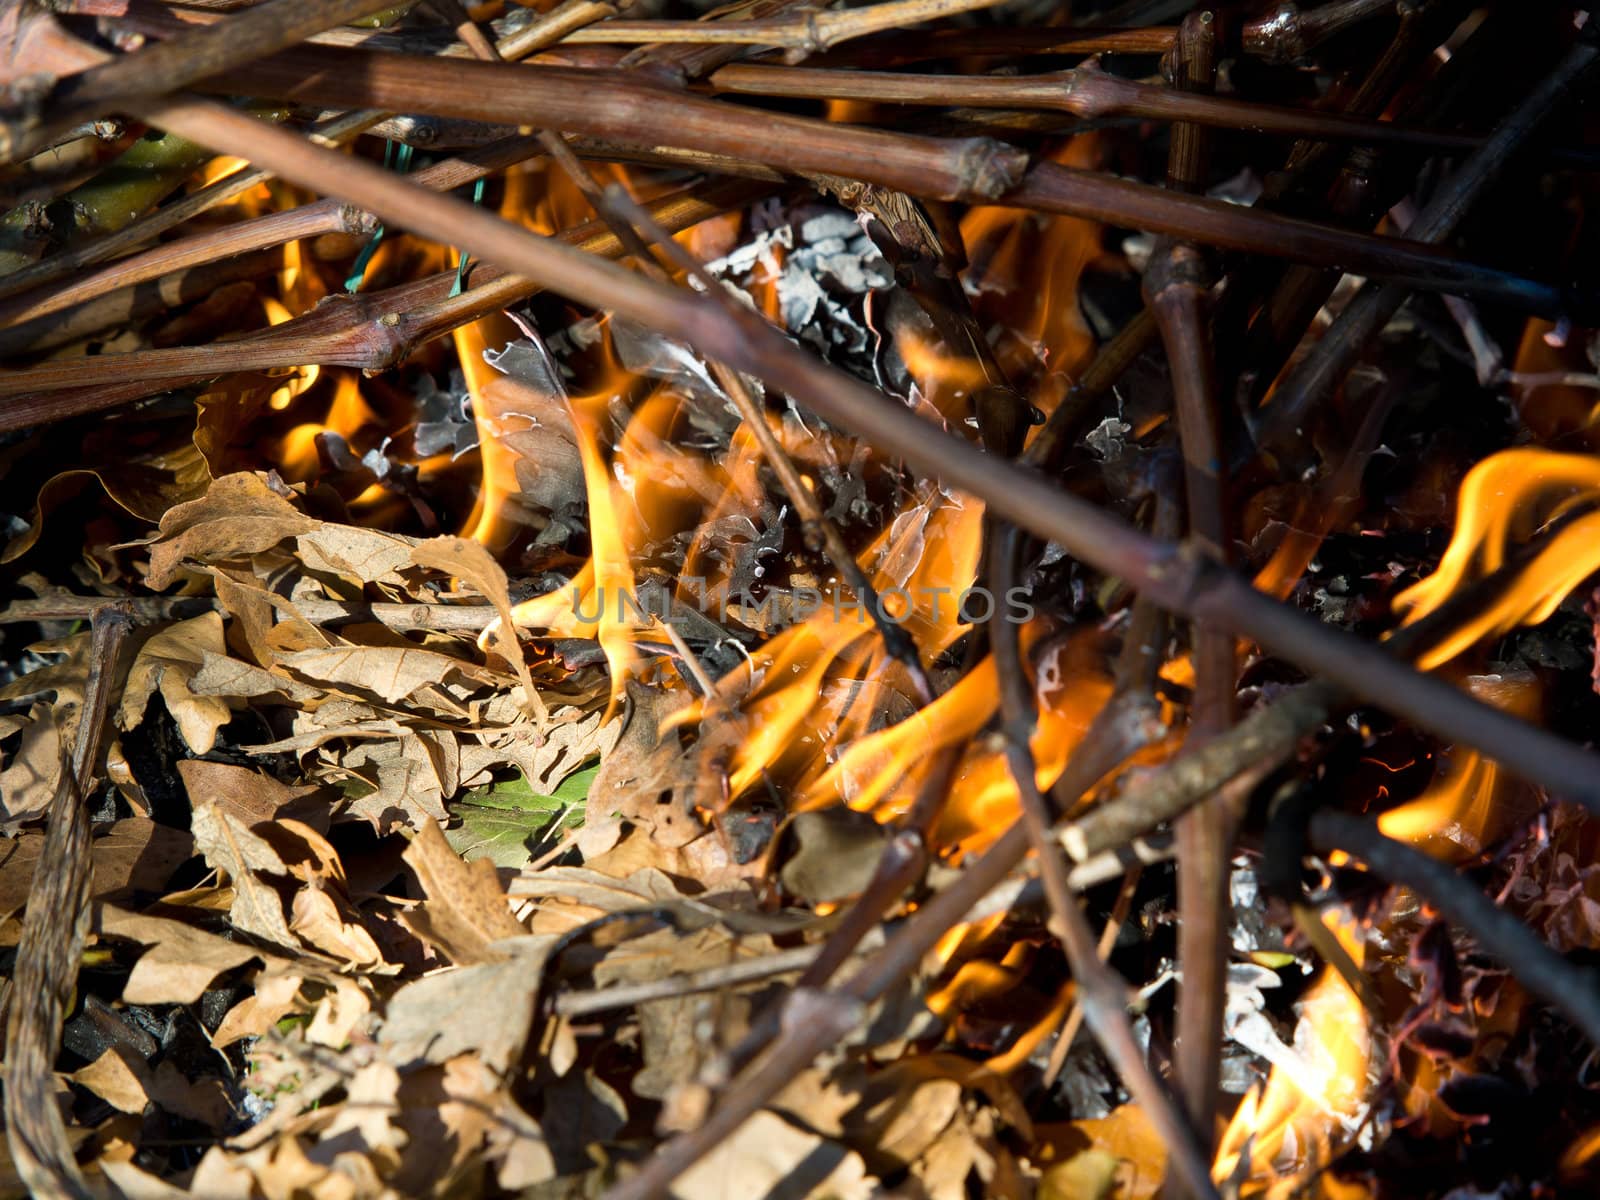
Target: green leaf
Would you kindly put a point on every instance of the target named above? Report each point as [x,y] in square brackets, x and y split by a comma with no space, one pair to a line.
[503,821]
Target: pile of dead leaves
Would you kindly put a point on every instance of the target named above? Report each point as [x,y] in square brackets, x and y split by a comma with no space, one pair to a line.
[368,953]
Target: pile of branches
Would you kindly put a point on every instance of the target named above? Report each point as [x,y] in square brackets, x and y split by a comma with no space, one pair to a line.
[256,771]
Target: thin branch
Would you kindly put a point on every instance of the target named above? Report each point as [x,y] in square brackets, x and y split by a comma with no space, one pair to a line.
[809,33]
[1103,996]
[610,105]
[368,331]
[173,64]
[1313,379]
[708,979]
[53,935]
[169,216]
[274,229]
[1085,92]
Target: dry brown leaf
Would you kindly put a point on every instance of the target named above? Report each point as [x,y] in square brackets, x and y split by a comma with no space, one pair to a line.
[229,845]
[472,563]
[1078,1153]
[671,1029]
[366,1120]
[204,1101]
[466,910]
[135,854]
[250,797]
[448,1113]
[486,1009]
[325,923]
[581,1112]
[391,673]
[168,661]
[33,773]
[181,961]
[275,996]
[238,516]
[585,895]
[117,1078]
[268,623]
[647,777]
[905,1108]
[222,676]
[364,555]
[144,475]
[769,1159]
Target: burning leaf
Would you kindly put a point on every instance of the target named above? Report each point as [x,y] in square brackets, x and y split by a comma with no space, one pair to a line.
[501,821]
[465,911]
[1121,1155]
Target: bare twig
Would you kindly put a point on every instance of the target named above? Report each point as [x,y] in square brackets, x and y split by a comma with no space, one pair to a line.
[1085,92]
[619,107]
[274,229]
[169,65]
[811,32]
[53,935]
[1316,375]
[1101,993]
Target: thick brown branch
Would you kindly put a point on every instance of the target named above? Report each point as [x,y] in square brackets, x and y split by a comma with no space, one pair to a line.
[53,936]
[618,107]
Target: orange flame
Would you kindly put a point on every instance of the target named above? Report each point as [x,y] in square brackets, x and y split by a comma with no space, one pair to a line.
[1026,263]
[1505,497]
[1461,811]
[347,415]
[1282,1133]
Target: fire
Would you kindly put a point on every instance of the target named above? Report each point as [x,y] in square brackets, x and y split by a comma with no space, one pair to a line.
[347,415]
[1281,1133]
[1465,806]
[598,602]
[881,772]
[1507,498]
[1030,264]
[487,522]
